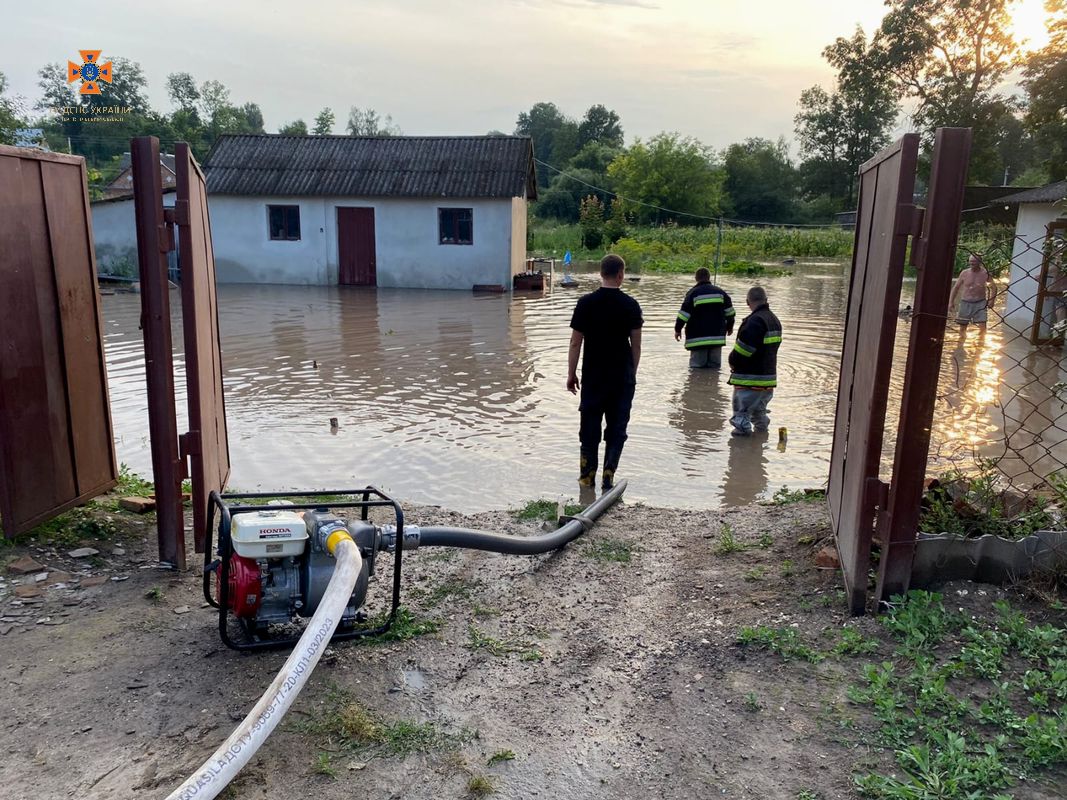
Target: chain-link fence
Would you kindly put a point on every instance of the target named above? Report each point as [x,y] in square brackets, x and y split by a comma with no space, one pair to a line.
[999,439]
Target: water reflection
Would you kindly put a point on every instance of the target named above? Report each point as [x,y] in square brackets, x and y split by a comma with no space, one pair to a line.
[459,399]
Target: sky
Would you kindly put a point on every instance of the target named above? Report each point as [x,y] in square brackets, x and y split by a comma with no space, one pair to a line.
[719,70]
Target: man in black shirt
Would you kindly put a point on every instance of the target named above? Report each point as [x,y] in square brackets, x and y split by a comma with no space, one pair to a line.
[609,323]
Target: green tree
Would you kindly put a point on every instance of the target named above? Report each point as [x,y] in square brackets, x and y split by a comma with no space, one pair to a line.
[839,131]
[367,122]
[950,57]
[1045,81]
[10,113]
[601,125]
[672,172]
[591,220]
[183,92]
[127,88]
[324,122]
[298,128]
[617,224]
[760,180]
[555,137]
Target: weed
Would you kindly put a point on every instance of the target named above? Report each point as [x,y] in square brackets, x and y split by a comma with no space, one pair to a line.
[500,756]
[752,703]
[727,541]
[344,722]
[405,626]
[609,550]
[809,539]
[852,643]
[485,611]
[754,574]
[452,588]
[765,540]
[154,595]
[477,640]
[546,510]
[322,766]
[783,641]
[132,484]
[808,794]
[921,622]
[788,569]
[785,496]
[480,786]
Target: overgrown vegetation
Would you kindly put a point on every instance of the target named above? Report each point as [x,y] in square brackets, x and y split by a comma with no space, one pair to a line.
[786,496]
[976,504]
[545,510]
[406,626]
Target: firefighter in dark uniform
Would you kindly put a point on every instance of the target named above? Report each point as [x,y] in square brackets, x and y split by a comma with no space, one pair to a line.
[607,323]
[708,317]
[753,365]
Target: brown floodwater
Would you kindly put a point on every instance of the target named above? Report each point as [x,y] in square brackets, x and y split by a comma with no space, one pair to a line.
[456,399]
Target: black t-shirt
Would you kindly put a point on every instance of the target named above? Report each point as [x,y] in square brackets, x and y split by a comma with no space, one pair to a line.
[605,318]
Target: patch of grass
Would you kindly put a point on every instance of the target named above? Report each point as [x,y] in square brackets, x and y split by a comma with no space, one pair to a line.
[70,529]
[322,766]
[957,708]
[853,643]
[406,626]
[479,640]
[544,510]
[754,574]
[765,540]
[609,550]
[450,588]
[480,786]
[485,611]
[752,702]
[133,485]
[342,722]
[154,595]
[808,794]
[783,641]
[499,757]
[786,496]
[788,569]
[727,543]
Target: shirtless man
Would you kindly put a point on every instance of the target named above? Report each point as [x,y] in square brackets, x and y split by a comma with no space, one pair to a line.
[976,293]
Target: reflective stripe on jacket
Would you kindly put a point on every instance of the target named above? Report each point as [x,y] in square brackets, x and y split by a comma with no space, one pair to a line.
[754,359]
[707,315]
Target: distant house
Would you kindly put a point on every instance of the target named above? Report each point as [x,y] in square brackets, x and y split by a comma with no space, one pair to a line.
[443,212]
[1042,217]
[122,184]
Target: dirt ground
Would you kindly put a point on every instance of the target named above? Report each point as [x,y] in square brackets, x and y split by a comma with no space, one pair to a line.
[600,678]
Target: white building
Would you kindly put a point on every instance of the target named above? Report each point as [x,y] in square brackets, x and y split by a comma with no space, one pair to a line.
[1042,216]
[436,212]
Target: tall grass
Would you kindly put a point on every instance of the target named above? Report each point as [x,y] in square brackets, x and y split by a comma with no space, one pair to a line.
[684,249]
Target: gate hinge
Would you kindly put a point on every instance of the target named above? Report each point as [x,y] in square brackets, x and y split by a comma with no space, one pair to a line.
[179,215]
[166,238]
[189,444]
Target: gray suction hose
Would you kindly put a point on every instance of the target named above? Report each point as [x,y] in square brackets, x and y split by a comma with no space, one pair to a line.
[439,536]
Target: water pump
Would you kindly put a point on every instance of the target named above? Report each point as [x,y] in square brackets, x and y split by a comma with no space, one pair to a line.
[273,562]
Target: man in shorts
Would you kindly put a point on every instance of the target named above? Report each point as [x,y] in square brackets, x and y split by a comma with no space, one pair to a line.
[975,292]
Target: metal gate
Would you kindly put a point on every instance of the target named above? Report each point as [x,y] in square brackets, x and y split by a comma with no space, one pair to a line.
[205,444]
[883,223]
[56,444]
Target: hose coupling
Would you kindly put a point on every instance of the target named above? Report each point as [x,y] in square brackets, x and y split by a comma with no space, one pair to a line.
[412,535]
[332,534]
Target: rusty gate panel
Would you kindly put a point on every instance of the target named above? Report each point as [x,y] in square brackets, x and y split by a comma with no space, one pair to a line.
[934,255]
[154,241]
[206,442]
[884,220]
[56,443]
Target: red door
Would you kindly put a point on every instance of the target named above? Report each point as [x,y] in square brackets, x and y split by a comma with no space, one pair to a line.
[355,247]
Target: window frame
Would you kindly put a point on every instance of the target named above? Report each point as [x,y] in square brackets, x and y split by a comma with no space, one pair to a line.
[285,223]
[455,214]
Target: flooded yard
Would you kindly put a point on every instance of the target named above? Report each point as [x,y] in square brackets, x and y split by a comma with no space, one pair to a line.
[457,399]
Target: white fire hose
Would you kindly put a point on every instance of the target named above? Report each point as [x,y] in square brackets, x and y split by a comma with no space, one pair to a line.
[223,765]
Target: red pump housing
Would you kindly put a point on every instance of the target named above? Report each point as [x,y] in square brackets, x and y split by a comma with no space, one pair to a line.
[245,589]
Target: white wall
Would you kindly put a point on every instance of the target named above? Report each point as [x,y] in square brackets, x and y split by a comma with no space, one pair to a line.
[408,252]
[1030,232]
[115,234]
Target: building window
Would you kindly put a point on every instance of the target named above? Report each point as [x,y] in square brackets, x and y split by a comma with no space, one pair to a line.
[456,225]
[284,222]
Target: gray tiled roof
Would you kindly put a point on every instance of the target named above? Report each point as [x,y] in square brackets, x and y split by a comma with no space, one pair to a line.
[1053,193]
[370,166]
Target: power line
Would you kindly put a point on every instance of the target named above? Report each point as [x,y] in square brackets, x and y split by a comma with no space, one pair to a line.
[684,213]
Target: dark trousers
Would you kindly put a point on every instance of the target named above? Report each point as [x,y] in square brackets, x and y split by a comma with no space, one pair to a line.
[605,410]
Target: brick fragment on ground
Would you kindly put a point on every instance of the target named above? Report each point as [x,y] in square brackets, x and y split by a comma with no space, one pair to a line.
[138,505]
[827,558]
